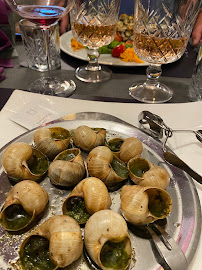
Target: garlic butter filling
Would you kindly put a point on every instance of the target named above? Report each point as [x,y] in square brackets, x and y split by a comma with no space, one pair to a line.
[36,254]
[15,217]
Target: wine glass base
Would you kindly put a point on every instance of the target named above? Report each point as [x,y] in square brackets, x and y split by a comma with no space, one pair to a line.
[53,87]
[157,93]
[93,76]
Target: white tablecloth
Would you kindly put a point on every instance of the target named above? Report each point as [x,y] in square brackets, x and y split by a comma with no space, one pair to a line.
[176,116]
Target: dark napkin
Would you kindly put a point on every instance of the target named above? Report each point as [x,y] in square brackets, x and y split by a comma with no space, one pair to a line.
[4,40]
[5,63]
[4,12]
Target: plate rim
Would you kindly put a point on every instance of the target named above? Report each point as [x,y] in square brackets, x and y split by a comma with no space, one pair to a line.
[66,37]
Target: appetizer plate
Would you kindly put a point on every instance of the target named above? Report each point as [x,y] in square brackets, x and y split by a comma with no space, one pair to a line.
[183,224]
[105,59]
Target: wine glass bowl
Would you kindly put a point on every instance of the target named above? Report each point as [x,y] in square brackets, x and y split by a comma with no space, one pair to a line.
[161,33]
[42,12]
[45,13]
[93,24]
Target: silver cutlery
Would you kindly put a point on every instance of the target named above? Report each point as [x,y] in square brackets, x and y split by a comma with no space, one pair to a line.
[154,125]
[168,249]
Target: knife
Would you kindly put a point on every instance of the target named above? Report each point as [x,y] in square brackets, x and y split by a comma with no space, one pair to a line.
[176,161]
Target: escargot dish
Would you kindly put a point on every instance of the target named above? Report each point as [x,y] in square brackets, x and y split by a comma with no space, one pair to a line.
[89,196]
[55,243]
[87,138]
[144,205]
[101,163]
[68,168]
[125,149]
[24,202]
[52,141]
[23,162]
[144,173]
[107,240]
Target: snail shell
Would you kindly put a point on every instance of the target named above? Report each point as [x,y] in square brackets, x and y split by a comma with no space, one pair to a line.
[131,147]
[94,193]
[68,168]
[65,240]
[114,145]
[144,205]
[100,164]
[143,173]
[23,162]
[52,141]
[33,199]
[126,149]
[102,228]
[87,138]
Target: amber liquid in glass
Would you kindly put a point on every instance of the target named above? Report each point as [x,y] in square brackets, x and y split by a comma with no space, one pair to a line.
[95,35]
[159,49]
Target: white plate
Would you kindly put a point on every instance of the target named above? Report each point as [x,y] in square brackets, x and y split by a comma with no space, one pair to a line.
[105,59]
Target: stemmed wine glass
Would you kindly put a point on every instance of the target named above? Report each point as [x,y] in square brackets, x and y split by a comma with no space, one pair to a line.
[161,32]
[44,13]
[93,24]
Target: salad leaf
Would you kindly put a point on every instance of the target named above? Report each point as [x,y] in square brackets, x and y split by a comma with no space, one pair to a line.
[128,46]
[105,50]
[108,48]
[114,44]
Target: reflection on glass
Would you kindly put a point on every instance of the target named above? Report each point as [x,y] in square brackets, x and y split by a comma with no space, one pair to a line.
[94,25]
[161,33]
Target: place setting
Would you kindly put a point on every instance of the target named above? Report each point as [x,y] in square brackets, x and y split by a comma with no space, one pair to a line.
[90,180]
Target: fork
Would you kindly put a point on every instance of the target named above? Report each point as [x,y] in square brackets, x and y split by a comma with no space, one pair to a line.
[168,249]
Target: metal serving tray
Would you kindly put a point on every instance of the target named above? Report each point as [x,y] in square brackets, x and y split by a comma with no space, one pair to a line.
[183,224]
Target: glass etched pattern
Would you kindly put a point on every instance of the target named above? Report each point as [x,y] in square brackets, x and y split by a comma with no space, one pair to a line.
[33,40]
[94,22]
[162,29]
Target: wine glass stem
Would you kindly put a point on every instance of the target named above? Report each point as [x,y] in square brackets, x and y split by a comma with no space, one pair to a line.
[93,55]
[46,36]
[153,73]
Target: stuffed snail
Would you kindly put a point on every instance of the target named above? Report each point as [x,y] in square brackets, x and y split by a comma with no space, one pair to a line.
[24,202]
[68,168]
[107,240]
[23,162]
[125,149]
[144,205]
[101,163]
[87,138]
[55,243]
[144,173]
[52,141]
[89,196]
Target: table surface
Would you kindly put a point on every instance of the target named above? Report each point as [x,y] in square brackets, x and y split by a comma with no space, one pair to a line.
[176,75]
